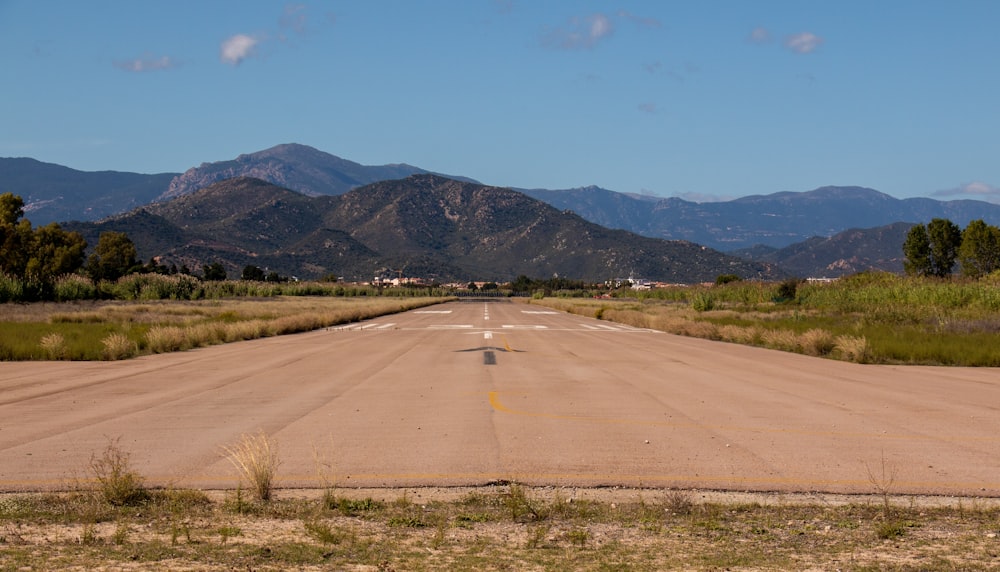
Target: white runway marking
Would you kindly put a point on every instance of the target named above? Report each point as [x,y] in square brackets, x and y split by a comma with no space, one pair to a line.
[547,312]
[432,311]
[520,327]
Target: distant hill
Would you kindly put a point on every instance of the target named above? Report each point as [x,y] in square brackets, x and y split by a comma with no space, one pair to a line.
[53,193]
[423,225]
[844,253]
[776,220]
[297,167]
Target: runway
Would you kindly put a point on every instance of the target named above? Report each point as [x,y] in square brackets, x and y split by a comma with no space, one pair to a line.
[467,393]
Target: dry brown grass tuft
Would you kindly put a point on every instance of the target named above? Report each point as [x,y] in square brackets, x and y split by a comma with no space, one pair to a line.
[118,346]
[817,342]
[256,459]
[852,348]
[54,345]
[784,340]
[740,334]
[162,339]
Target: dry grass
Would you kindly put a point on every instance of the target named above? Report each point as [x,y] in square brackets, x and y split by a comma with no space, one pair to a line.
[491,528]
[852,348]
[126,329]
[683,320]
[54,346]
[256,459]
[118,483]
[118,346]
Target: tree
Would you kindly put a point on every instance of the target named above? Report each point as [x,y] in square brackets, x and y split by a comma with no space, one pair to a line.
[11,208]
[979,253]
[945,238]
[54,252]
[917,251]
[15,246]
[113,257]
[251,272]
[214,271]
[35,255]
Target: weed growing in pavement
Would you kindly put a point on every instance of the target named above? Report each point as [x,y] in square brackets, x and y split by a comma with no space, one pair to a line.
[256,459]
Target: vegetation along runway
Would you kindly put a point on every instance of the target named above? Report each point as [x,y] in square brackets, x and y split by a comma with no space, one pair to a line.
[472,392]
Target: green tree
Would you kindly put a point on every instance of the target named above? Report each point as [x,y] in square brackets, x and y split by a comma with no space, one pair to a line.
[214,271]
[11,208]
[917,251]
[54,252]
[35,255]
[251,272]
[113,257]
[16,241]
[979,253]
[945,238]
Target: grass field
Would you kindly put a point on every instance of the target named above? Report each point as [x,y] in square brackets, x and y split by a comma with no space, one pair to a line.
[119,330]
[868,318]
[502,527]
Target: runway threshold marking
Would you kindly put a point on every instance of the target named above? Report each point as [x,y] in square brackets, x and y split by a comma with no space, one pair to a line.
[495,403]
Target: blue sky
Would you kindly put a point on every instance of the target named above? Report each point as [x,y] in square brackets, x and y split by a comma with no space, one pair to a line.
[700,99]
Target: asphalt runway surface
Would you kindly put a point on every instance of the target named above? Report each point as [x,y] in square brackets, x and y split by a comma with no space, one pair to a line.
[475,392]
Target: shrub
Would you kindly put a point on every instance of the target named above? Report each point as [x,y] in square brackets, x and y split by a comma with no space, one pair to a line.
[11,289]
[256,459]
[817,342]
[54,345]
[852,348]
[702,302]
[118,346]
[726,279]
[787,290]
[74,287]
[118,483]
[162,339]
[784,340]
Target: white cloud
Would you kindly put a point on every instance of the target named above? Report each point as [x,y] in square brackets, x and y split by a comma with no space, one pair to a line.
[803,43]
[146,63]
[975,189]
[237,48]
[585,32]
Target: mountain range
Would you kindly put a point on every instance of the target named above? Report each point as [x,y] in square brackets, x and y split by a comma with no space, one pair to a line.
[776,220]
[424,225]
[827,231]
